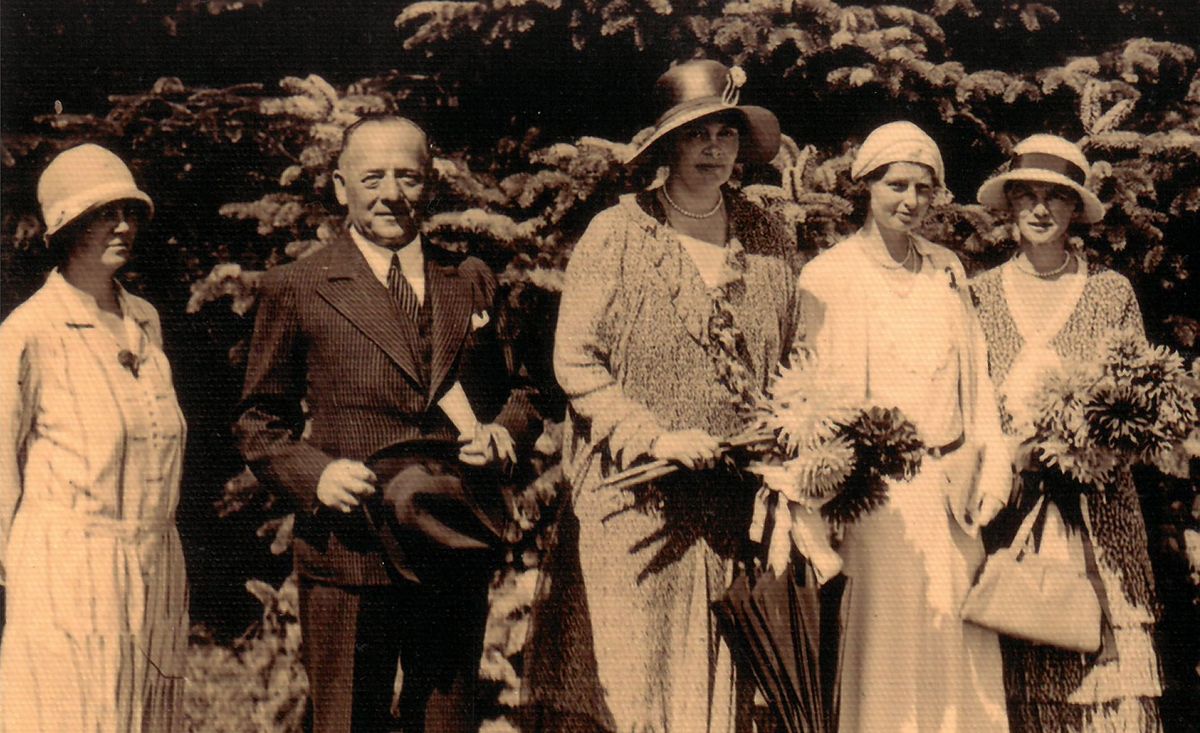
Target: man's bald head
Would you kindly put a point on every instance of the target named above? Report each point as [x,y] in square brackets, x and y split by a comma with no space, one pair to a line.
[353,130]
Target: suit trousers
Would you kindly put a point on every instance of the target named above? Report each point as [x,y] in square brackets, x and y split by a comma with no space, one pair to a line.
[353,637]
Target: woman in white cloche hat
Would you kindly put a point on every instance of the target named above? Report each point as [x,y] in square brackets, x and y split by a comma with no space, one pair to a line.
[91,443]
[888,316]
[1044,307]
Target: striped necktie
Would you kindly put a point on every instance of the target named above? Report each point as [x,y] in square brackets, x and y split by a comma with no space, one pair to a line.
[401,291]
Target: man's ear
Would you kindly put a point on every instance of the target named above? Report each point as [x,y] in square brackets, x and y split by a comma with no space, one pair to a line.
[339,186]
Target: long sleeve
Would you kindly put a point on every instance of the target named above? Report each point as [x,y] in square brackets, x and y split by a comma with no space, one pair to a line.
[834,317]
[1131,314]
[995,470]
[584,345]
[18,395]
[270,425]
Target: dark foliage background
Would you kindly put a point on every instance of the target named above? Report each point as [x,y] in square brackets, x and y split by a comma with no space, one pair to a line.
[230,110]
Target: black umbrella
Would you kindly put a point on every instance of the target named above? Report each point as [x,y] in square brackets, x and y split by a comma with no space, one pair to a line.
[775,623]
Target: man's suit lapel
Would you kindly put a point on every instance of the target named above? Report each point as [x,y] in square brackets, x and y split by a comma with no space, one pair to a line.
[351,288]
[450,297]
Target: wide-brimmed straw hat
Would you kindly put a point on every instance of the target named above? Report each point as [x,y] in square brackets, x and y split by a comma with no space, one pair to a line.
[1045,159]
[82,179]
[695,89]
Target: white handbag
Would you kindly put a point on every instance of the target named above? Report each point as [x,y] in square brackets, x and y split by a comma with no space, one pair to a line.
[1042,598]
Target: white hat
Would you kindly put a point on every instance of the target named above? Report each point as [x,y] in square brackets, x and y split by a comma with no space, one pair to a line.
[1045,159]
[696,89]
[898,142]
[82,179]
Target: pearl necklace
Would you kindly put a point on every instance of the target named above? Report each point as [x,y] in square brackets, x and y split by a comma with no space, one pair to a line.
[692,214]
[1020,259]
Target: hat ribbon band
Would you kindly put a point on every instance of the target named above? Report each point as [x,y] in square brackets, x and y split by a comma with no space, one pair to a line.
[1052,163]
[731,93]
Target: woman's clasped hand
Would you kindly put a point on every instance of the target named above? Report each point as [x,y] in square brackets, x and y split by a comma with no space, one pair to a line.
[694,449]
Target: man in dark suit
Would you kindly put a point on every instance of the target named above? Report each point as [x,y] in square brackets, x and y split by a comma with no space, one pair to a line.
[380,340]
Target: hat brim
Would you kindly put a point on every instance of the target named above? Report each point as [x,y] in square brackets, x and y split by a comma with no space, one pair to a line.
[991,193]
[88,201]
[433,514]
[759,145]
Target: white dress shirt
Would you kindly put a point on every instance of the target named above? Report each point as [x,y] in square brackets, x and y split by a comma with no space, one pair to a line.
[379,259]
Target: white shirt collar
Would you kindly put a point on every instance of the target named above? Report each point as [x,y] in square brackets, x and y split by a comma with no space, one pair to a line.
[379,259]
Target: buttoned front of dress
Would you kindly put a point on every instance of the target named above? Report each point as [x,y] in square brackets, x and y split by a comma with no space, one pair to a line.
[92,453]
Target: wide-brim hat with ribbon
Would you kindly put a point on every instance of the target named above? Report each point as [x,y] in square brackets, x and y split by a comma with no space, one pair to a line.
[82,179]
[696,89]
[1045,159]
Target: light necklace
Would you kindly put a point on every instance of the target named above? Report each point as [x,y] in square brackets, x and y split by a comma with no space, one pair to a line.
[1031,270]
[902,263]
[692,214]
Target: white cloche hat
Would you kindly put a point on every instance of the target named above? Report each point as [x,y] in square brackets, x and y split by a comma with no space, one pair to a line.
[82,179]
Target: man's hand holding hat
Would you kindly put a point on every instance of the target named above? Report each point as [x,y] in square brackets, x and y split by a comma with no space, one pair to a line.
[344,483]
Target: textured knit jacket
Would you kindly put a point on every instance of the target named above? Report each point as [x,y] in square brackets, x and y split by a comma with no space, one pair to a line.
[336,371]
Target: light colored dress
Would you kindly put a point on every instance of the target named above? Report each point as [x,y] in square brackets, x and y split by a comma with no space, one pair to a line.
[624,637]
[90,460]
[1051,689]
[908,663]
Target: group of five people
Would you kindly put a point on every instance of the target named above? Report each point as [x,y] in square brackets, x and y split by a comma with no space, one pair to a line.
[376,396]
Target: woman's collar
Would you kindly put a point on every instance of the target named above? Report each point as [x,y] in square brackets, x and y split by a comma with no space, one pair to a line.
[81,309]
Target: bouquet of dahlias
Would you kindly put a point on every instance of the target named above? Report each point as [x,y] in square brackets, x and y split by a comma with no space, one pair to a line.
[829,455]
[1134,404]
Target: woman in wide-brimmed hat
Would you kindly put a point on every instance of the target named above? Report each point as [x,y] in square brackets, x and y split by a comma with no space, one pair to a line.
[678,302]
[91,442]
[1044,307]
[888,316]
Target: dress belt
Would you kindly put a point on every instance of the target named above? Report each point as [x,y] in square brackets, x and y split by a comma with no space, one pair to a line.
[944,450]
[125,529]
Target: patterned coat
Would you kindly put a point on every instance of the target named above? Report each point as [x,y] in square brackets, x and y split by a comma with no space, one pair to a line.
[625,637]
[1050,689]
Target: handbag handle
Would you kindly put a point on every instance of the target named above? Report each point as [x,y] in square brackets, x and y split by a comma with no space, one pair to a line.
[1021,539]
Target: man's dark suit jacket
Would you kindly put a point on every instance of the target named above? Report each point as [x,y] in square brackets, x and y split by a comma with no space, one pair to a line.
[331,340]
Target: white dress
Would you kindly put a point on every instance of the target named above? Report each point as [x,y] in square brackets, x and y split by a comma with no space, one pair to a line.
[908,663]
[90,461]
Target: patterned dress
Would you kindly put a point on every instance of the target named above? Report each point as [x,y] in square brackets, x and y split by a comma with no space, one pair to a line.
[90,461]
[624,639]
[1050,689]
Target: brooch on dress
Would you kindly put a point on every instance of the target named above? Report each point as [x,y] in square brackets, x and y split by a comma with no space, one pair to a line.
[129,360]
[951,279]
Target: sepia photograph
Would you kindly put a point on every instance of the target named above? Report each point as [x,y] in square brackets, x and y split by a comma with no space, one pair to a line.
[599,366]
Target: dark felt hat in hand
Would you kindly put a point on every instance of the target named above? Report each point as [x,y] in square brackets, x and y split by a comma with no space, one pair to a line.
[436,519]
[696,89]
